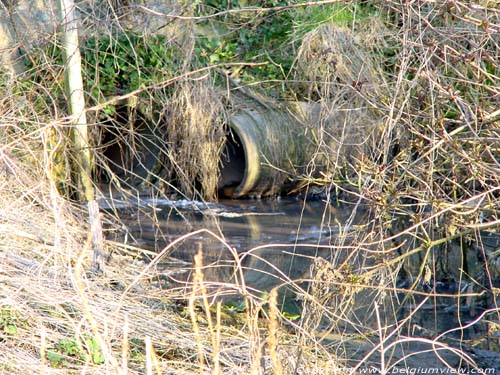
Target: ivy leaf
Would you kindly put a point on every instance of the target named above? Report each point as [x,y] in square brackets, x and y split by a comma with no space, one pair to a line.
[214,58]
[290,316]
[55,359]
[10,329]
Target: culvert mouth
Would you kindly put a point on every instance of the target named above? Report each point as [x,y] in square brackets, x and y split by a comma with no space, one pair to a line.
[128,148]
[268,149]
[232,170]
[240,161]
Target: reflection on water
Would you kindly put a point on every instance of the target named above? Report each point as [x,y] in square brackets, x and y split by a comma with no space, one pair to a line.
[275,241]
[268,243]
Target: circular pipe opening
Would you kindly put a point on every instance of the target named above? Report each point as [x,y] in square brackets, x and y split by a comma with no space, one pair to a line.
[241,161]
[233,165]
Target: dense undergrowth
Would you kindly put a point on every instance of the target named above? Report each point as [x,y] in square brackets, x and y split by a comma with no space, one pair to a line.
[422,77]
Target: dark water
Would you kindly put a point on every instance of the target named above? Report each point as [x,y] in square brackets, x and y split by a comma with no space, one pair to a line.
[270,243]
[275,241]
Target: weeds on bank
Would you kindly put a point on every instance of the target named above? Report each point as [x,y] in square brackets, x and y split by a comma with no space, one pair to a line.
[71,350]
[433,94]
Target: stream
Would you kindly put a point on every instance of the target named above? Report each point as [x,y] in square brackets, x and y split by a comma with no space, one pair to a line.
[268,243]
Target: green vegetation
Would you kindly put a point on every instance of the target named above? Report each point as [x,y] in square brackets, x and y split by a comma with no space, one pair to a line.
[269,40]
[114,65]
[407,127]
[11,320]
[111,65]
[71,350]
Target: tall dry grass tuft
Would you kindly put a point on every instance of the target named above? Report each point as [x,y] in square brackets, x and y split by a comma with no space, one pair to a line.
[195,116]
[336,70]
[331,59]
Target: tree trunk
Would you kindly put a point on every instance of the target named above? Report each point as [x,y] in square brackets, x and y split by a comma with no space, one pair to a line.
[82,156]
[74,84]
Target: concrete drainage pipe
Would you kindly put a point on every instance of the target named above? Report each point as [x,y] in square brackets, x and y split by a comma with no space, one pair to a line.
[266,151]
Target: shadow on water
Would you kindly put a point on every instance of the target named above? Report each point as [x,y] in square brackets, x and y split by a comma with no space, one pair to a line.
[275,243]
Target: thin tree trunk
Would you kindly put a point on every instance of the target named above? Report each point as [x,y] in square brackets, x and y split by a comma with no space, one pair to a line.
[74,85]
[82,155]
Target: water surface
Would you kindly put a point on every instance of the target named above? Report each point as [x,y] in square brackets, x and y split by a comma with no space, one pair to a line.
[275,241]
[262,244]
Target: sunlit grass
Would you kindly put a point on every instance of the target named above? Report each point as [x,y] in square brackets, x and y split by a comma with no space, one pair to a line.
[424,83]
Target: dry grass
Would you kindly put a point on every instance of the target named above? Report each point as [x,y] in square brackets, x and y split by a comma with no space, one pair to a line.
[427,153]
[52,299]
[195,135]
[336,70]
[138,326]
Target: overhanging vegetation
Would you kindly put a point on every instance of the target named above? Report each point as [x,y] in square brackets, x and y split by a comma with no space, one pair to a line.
[422,77]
